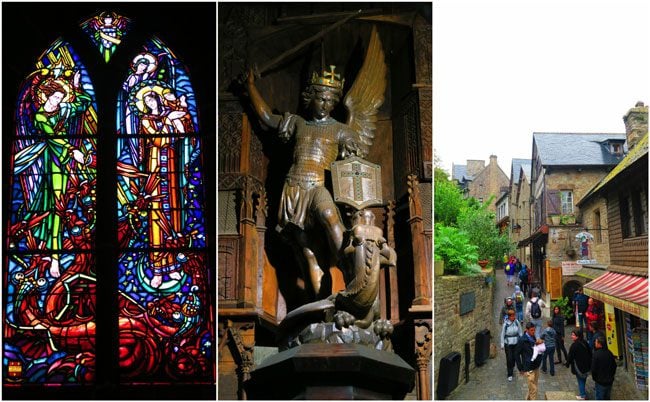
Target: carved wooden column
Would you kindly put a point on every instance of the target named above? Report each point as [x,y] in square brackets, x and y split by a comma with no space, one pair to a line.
[422,264]
[235,351]
[423,354]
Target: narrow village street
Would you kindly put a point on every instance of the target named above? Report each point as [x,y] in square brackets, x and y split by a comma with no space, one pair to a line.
[489,382]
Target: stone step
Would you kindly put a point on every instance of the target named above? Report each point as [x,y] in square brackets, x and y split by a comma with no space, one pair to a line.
[559,396]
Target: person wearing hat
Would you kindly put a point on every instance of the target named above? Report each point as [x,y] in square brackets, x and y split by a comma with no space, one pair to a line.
[527,366]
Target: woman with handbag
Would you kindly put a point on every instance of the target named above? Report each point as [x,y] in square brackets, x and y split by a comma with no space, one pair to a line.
[579,359]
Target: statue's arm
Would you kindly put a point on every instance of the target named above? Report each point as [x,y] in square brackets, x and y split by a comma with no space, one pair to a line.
[349,144]
[259,104]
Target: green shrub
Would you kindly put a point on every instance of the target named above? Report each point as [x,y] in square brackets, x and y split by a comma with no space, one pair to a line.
[479,224]
[453,247]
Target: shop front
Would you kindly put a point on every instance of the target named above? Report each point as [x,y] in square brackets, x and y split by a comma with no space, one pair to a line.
[625,298]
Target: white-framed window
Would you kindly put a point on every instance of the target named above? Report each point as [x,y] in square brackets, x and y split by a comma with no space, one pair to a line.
[566,200]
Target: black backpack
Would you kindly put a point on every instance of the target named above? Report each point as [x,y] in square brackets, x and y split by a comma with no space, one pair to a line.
[535,310]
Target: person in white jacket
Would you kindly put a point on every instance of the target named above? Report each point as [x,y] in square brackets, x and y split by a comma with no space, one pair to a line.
[511,331]
[534,314]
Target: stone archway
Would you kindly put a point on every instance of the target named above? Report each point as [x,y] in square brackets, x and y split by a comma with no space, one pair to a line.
[569,288]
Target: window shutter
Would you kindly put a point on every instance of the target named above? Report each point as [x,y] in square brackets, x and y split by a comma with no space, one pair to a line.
[553,203]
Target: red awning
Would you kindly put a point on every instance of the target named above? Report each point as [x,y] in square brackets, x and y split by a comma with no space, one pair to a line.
[625,292]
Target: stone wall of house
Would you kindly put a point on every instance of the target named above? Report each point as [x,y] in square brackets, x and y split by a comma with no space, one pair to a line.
[580,181]
[488,182]
[452,330]
[597,227]
[521,215]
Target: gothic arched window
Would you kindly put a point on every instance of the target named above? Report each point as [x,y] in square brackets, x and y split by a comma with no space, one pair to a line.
[109,261]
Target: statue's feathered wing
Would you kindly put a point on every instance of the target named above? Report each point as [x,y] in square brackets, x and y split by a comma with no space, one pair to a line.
[367,94]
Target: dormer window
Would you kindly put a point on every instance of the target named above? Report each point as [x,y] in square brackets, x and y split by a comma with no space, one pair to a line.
[616,148]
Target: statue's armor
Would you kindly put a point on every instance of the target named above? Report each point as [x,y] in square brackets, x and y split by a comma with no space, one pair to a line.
[317,146]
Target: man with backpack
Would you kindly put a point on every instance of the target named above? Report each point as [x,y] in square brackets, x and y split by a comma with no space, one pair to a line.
[511,331]
[534,312]
[519,297]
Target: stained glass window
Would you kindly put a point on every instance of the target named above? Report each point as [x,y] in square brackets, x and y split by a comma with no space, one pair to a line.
[53,299]
[106,31]
[165,326]
[49,277]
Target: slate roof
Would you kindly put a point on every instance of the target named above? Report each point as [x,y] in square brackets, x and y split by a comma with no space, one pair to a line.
[516,168]
[575,149]
[640,150]
[459,172]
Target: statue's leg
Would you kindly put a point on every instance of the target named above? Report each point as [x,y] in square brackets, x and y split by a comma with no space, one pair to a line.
[315,272]
[328,216]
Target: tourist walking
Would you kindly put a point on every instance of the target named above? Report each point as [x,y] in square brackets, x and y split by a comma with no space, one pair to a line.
[549,337]
[519,299]
[511,331]
[523,278]
[534,311]
[507,305]
[592,334]
[558,326]
[579,359]
[580,305]
[528,367]
[603,369]
[510,270]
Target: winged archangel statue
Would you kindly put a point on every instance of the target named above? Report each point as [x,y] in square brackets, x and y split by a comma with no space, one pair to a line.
[321,140]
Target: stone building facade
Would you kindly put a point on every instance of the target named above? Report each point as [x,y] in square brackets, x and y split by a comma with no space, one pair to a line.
[520,213]
[480,181]
[565,166]
[488,182]
[621,285]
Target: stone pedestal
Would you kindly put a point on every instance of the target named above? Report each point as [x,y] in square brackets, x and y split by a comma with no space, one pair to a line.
[331,371]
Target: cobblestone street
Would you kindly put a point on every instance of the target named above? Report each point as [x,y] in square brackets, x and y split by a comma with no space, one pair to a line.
[489,382]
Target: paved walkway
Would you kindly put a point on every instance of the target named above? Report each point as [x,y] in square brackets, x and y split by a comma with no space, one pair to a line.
[490,382]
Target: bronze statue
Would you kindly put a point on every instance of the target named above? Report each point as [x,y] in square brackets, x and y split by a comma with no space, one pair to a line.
[320,140]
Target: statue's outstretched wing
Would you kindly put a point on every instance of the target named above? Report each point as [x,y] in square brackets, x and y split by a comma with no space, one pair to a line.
[367,94]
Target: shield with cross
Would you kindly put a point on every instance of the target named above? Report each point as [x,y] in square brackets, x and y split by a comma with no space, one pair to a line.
[356,182]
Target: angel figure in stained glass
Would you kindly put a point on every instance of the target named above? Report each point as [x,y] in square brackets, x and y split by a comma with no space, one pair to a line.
[59,101]
[320,140]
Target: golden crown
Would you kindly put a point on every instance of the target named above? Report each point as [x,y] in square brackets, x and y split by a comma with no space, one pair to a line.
[328,79]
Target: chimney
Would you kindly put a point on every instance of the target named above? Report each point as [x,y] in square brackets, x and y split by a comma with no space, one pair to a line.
[474,166]
[636,124]
[493,159]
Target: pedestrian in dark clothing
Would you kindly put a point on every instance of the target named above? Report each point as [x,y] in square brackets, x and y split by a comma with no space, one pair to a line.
[603,369]
[510,334]
[558,326]
[579,359]
[592,334]
[523,278]
[549,337]
[523,357]
[580,304]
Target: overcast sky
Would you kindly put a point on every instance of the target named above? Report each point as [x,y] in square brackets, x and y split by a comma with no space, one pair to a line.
[506,69]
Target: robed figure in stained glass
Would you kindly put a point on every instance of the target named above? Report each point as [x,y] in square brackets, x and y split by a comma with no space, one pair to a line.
[59,102]
[155,160]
